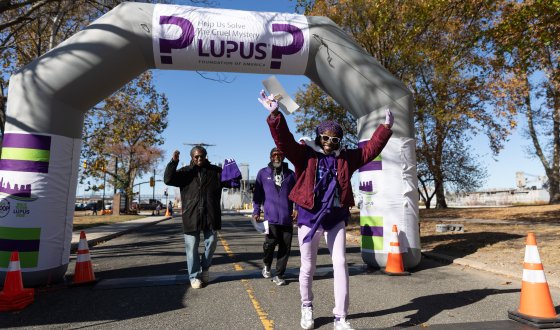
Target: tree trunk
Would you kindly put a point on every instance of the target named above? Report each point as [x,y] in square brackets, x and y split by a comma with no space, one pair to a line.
[440,200]
[553,189]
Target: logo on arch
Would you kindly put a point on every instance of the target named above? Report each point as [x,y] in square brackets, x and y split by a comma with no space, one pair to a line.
[297,43]
[184,40]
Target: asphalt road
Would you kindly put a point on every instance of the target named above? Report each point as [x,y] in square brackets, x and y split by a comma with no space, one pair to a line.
[143,285]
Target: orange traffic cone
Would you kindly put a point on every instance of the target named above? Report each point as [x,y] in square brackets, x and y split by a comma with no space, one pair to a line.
[536,307]
[84,269]
[14,296]
[394,258]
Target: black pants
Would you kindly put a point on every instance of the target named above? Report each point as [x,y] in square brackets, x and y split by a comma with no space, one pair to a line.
[281,236]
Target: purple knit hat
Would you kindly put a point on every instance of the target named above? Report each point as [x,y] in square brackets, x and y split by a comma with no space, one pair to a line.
[330,125]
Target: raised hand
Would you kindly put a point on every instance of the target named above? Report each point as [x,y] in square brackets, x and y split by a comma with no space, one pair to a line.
[176,156]
[389,120]
[268,102]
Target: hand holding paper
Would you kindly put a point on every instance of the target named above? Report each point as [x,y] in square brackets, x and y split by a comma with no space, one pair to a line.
[268,102]
[389,119]
[285,102]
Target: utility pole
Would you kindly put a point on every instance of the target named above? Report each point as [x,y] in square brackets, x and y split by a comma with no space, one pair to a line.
[154,187]
[116,176]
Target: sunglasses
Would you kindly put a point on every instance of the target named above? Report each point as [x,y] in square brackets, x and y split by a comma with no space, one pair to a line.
[279,155]
[198,156]
[332,139]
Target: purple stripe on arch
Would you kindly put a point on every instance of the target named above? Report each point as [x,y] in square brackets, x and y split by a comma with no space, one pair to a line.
[371,231]
[24,166]
[32,141]
[372,166]
[19,245]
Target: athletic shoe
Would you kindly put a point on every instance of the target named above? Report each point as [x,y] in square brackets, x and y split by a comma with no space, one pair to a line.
[342,324]
[266,272]
[205,276]
[278,281]
[196,284]
[307,318]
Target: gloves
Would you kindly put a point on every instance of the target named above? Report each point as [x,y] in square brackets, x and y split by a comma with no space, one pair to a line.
[231,175]
[268,102]
[389,118]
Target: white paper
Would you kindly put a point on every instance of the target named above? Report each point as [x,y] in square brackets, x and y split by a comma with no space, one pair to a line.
[286,104]
[261,227]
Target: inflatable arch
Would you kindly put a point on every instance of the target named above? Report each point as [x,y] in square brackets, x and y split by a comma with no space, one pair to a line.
[49,97]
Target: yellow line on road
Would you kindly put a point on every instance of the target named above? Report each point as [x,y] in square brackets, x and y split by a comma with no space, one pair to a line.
[263,316]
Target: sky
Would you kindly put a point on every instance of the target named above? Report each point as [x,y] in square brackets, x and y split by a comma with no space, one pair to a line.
[229,116]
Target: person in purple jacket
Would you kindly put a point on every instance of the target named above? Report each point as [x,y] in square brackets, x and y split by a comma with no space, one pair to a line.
[323,195]
[272,187]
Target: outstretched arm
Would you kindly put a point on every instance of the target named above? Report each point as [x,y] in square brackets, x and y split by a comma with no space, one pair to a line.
[373,147]
[280,132]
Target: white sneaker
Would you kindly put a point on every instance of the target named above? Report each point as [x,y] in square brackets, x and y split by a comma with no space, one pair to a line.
[307,318]
[278,281]
[205,276]
[342,324]
[266,272]
[196,283]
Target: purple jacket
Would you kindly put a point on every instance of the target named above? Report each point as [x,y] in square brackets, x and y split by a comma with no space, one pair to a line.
[277,206]
[305,161]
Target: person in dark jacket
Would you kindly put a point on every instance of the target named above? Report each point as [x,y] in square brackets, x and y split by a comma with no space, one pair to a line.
[323,195]
[272,187]
[201,191]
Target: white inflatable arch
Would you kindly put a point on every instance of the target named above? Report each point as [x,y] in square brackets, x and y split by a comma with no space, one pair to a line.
[49,97]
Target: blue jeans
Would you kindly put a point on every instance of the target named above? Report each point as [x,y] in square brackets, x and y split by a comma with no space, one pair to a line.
[194,262]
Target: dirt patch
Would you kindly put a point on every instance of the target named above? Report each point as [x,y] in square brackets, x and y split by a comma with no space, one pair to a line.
[83,220]
[500,243]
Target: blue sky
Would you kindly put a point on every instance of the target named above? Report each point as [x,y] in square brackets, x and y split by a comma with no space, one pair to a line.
[229,116]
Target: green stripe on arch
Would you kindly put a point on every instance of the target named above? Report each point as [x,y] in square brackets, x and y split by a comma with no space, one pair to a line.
[371,220]
[26,259]
[20,233]
[36,155]
[372,242]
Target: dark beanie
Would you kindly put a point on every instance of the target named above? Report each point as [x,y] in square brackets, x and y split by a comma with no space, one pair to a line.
[330,125]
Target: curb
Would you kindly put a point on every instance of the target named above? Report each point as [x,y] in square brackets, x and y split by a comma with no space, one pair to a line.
[481,266]
[553,282]
[116,233]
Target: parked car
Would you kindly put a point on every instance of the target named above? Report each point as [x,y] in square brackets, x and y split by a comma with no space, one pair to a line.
[151,205]
[89,206]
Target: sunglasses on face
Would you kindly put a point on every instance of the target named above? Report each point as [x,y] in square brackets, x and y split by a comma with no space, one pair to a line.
[277,155]
[198,156]
[332,139]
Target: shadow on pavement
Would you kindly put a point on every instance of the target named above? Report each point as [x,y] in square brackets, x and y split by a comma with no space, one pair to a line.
[424,308]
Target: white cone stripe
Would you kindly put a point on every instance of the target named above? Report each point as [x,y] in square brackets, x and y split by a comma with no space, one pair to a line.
[534,276]
[83,244]
[83,257]
[532,254]
[394,249]
[14,266]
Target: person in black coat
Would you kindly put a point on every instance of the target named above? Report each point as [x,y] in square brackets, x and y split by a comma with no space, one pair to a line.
[201,191]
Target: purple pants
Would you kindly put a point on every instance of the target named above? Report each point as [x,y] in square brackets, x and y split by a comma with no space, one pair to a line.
[336,241]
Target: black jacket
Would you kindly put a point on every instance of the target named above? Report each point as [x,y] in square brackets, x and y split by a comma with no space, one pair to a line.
[201,193]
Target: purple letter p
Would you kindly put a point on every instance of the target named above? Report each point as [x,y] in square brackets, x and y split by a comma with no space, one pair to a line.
[294,47]
[184,40]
